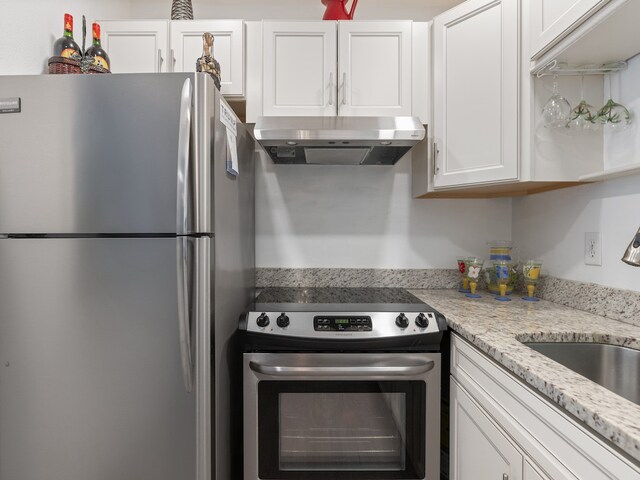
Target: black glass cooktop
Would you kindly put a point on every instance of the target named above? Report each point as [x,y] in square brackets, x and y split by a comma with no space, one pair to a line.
[324,299]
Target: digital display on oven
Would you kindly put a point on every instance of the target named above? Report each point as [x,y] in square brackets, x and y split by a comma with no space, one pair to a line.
[356,323]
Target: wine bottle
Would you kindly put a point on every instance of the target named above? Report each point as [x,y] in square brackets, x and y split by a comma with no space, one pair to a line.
[99,55]
[66,46]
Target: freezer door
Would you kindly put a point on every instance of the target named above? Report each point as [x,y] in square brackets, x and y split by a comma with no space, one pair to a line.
[91,378]
[105,154]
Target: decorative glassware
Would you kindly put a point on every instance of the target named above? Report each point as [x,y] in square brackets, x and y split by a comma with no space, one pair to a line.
[474,268]
[583,118]
[557,110]
[613,115]
[462,268]
[531,271]
[503,271]
[499,250]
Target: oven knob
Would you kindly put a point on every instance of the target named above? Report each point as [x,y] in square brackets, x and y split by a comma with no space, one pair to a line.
[402,321]
[263,320]
[283,321]
[422,321]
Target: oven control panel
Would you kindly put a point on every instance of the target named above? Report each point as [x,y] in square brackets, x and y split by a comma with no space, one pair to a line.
[343,323]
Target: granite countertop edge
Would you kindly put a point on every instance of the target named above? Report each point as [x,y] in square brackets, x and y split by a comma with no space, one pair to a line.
[498,328]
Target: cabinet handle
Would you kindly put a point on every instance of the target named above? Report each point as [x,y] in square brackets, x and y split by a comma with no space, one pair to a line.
[160,60]
[173,60]
[344,88]
[505,476]
[331,89]
[434,155]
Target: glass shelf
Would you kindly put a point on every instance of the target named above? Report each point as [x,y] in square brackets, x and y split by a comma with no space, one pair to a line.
[562,69]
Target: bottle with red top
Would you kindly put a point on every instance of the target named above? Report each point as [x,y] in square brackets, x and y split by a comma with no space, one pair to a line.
[95,51]
[66,46]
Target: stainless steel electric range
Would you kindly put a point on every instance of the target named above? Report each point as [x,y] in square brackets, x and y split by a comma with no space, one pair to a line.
[341,383]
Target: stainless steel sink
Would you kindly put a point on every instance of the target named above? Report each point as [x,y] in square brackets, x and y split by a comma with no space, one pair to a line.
[615,368]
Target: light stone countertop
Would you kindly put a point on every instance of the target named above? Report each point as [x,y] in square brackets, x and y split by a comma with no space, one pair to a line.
[497,328]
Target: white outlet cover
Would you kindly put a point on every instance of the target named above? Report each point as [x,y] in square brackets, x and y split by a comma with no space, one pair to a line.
[593,248]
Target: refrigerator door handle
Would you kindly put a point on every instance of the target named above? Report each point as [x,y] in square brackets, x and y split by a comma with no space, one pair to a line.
[184,139]
[184,258]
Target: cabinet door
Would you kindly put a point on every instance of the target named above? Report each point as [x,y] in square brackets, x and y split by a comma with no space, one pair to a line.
[300,68]
[228,49]
[374,67]
[136,46]
[530,473]
[479,450]
[550,20]
[476,93]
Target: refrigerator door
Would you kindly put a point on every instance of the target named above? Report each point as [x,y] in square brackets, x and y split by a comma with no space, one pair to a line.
[106,154]
[91,377]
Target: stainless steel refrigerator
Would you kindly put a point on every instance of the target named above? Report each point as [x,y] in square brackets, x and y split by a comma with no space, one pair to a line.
[126,257]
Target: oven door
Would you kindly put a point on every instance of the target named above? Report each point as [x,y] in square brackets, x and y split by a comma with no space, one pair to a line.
[341,416]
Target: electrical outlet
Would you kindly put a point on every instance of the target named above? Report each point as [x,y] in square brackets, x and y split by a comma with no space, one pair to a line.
[592,248]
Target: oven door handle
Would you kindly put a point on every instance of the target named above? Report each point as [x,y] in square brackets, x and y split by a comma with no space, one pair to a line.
[373,370]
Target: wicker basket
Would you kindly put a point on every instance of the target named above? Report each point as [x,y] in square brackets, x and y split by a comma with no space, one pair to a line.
[62,65]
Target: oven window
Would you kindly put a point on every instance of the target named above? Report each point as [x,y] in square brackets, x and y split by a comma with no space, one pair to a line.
[342,430]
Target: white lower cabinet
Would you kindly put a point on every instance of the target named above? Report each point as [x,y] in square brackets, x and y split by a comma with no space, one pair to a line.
[501,429]
[479,449]
[530,473]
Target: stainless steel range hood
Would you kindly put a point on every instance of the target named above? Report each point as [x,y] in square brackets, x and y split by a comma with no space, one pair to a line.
[338,140]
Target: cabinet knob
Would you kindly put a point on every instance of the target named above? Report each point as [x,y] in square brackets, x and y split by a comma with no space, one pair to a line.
[505,476]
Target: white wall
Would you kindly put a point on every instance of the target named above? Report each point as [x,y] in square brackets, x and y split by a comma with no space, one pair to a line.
[28,29]
[419,10]
[551,225]
[364,217]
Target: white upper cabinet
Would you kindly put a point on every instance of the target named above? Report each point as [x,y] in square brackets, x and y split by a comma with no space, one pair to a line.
[154,46]
[326,68]
[374,68]
[136,46]
[479,450]
[476,75]
[228,49]
[300,68]
[551,20]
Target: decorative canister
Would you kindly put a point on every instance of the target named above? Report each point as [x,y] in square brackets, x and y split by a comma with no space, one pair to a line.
[499,251]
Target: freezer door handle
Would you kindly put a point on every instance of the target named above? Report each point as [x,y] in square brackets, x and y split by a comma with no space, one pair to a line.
[185,260]
[184,139]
